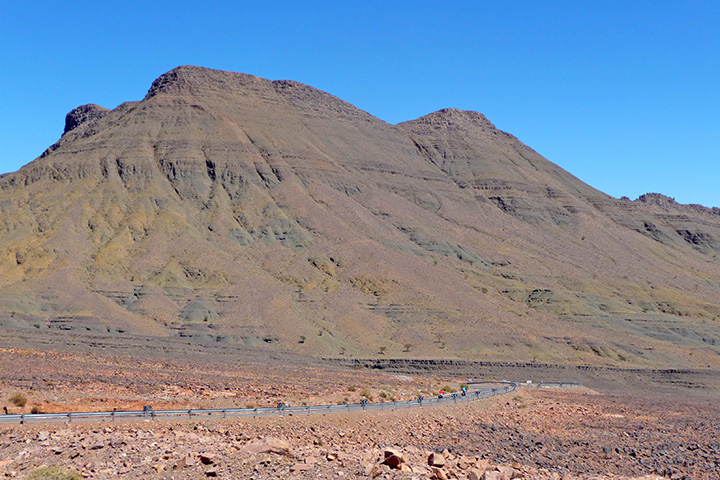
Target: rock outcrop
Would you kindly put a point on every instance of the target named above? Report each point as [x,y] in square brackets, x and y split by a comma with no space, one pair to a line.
[83,114]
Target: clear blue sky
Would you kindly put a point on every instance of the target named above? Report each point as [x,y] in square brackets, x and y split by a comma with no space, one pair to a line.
[623,94]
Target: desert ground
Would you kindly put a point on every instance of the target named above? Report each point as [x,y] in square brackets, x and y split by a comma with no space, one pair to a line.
[640,426]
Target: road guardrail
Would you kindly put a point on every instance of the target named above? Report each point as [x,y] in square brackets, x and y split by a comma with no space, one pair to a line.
[148,413]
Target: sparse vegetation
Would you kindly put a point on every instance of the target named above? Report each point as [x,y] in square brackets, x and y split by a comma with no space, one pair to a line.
[54,473]
[351,388]
[18,399]
[365,393]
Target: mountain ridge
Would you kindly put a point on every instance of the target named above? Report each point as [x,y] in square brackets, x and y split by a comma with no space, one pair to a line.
[227,207]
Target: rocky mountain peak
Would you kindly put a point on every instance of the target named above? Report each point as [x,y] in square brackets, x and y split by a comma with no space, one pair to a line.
[657,199]
[452,119]
[188,79]
[240,88]
[83,114]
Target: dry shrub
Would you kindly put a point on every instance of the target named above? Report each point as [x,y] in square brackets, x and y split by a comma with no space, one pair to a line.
[366,393]
[53,473]
[18,399]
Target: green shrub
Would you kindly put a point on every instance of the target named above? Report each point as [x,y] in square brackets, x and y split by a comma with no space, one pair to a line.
[53,473]
[19,399]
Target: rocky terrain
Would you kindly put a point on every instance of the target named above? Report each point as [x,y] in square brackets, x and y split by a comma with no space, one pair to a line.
[233,209]
[533,434]
[636,425]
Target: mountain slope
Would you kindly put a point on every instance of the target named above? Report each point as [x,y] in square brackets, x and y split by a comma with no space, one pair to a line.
[231,208]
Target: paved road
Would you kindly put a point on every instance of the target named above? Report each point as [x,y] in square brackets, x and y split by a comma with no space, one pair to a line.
[477,391]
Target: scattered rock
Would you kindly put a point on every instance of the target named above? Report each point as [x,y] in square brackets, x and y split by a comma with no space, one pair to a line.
[507,473]
[393,458]
[405,468]
[301,467]
[436,460]
[492,475]
[269,445]
[439,474]
[96,445]
[187,461]
[474,474]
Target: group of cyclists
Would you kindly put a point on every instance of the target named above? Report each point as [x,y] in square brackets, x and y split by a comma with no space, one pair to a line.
[463,392]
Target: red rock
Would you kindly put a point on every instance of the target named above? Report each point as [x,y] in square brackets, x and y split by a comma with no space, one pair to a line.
[393,458]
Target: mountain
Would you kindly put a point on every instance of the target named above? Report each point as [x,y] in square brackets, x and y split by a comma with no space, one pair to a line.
[224,207]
